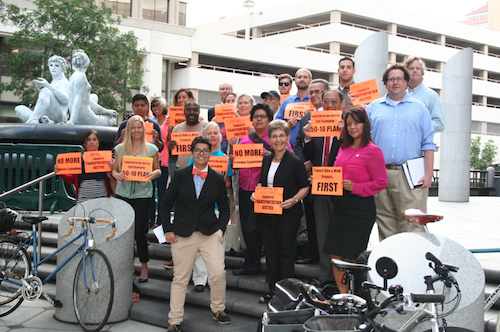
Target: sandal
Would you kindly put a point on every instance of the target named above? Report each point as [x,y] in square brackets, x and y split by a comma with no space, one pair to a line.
[265,299]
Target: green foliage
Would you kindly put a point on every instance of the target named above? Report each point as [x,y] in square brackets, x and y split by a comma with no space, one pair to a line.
[62,27]
[480,159]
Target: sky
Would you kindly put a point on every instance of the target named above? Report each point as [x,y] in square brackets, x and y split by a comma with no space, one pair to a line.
[203,11]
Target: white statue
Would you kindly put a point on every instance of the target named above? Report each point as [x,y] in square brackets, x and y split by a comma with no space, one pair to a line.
[81,107]
[52,100]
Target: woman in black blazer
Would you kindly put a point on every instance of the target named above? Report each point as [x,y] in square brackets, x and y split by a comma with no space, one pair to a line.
[196,228]
[281,169]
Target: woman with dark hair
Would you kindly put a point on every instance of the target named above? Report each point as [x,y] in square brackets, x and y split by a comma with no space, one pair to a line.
[181,96]
[159,109]
[364,175]
[279,232]
[88,185]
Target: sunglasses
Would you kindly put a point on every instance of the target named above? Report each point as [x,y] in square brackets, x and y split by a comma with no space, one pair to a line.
[284,83]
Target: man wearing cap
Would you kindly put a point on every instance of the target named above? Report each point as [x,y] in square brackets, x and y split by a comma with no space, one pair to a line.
[272,98]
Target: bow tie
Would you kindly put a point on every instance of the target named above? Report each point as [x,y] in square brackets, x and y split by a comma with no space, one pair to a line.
[202,174]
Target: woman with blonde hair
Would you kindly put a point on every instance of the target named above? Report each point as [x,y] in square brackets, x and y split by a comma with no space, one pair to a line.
[137,193]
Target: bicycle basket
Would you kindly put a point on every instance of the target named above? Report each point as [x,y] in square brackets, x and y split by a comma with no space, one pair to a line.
[7,218]
[332,323]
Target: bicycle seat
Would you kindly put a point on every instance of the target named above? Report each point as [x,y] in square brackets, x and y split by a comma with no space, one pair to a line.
[34,220]
[349,266]
[420,218]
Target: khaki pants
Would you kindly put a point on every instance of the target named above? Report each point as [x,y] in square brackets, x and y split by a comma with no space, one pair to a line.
[393,201]
[184,253]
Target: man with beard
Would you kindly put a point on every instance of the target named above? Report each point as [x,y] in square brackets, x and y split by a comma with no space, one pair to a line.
[192,124]
[303,77]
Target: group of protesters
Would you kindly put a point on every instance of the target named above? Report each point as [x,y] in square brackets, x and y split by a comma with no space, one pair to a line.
[207,185]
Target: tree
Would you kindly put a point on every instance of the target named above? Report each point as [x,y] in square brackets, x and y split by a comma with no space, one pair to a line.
[480,159]
[62,27]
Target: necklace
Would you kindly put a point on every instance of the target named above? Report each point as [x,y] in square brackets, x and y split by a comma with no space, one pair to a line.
[277,159]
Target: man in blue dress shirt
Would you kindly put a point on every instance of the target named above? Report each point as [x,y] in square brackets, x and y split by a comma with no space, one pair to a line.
[302,79]
[419,91]
[402,128]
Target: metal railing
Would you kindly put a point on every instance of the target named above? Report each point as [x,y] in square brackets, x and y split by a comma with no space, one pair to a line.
[477,179]
[40,182]
[485,105]
[237,71]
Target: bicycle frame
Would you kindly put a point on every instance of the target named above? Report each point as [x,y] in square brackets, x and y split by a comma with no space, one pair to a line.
[31,241]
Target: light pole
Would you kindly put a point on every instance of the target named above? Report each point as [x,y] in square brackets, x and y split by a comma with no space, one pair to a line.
[249,4]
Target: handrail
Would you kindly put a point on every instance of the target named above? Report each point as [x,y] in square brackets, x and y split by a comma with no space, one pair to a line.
[28,184]
[40,201]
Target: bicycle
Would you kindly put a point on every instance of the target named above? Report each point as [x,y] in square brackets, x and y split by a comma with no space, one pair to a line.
[420,218]
[93,284]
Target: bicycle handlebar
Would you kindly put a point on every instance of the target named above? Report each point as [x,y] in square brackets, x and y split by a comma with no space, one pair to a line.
[91,220]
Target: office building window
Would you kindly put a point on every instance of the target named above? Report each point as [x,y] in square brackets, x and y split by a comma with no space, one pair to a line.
[120,7]
[182,13]
[155,10]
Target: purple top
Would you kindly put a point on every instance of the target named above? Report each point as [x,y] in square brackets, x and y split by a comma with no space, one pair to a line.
[249,177]
[365,167]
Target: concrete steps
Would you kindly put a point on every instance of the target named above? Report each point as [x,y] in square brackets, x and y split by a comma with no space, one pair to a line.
[242,291]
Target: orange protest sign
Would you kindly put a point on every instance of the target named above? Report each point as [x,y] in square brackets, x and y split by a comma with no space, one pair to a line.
[176,115]
[219,164]
[184,141]
[364,92]
[283,97]
[268,200]
[69,163]
[224,111]
[237,126]
[327,181]
[325,123]
[297,110]
[97,161]
[137,168]
[248,155]
[149,131]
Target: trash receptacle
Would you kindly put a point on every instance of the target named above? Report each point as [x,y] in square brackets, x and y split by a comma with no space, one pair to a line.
[119,250]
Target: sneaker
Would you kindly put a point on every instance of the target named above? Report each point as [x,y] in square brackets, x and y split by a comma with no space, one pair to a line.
[221,317]
[169,265]
[174,328]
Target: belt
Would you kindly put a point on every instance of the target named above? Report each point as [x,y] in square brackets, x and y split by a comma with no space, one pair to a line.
[399,167]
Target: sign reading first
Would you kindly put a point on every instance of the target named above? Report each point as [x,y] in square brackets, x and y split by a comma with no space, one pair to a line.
[327,181]
[69,163]
[248,155]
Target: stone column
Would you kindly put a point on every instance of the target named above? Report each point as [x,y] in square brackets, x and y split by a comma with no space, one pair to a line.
[456,97]
[392,29]
[371,59]
[335,48]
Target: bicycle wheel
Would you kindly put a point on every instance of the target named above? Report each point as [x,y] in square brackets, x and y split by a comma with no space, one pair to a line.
[93,290]
[14,265]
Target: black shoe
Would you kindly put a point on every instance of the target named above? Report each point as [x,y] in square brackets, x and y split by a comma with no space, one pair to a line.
[242,272]
[143,280]
[199,288]
[222,318]
[308,260]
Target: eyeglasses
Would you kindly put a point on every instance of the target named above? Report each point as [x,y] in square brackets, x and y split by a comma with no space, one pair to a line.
[200,151]
[259,116]
[270,99]
[284,83]
[333,101]
[281,136]
[317,92]
[394,79]
[155,105]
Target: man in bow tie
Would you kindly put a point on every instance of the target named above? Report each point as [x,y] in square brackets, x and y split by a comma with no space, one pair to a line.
[196,228]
